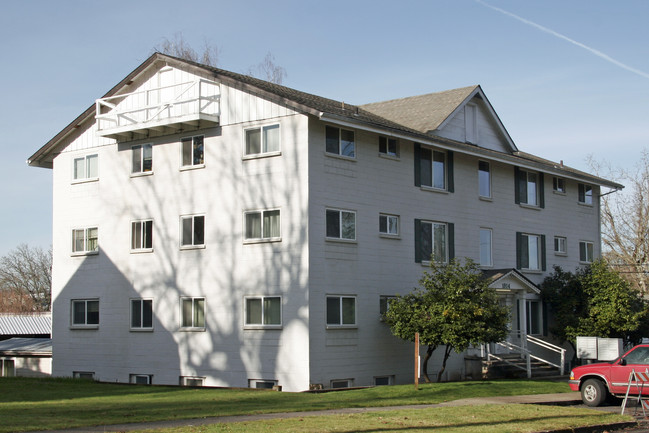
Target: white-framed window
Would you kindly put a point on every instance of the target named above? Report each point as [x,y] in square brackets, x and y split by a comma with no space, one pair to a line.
[262,383]
[560,245]
[432,241]
[86,375]
[142,159]
[383,380]
[140,379]
[586,252]
[192,229]
[384,304]
[192,381]
[529,188]
[484,179]
[559,185]
[142,314]
[84,313]
[192,313]
[85,241]
[341,310]
[193,151]
[530,251]
[263,311]
[142,235]
[7,367]
[341,383]
[340,141]
[85,168]
[341,224]
[388,146]
[534,315]
[389,224]
[485,247]
[262,225]
[585,194]
[262,140]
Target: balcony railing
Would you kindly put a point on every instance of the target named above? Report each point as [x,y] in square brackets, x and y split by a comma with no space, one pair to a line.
[159,108]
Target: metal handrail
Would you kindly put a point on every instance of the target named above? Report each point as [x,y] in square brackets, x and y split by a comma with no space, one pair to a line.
[561,351]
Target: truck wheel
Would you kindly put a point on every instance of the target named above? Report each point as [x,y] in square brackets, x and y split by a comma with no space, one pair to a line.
[593,392]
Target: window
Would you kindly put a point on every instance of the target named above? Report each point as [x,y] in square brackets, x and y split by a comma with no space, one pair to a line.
[191,381]
[341,383]
[262,225]
[193,151]
[484,179]
[389,225]
[85,312]
[340,142]
[142,156]
[142,235]
[559,185]
[529,188]
[140,379]
[585,194]
[264,311]
[433,241]
[341,224]
[142,314]
[530,252]
[85,241]
[193,313]
[7,368]
[384,303]
[485,247]
[86,167]
[534,315]
[560,245]
[193,231]
[262,140]
[388,146]
[383,380]
[341,310]
[433,168]
[262,384]
[586,252]
[87,375]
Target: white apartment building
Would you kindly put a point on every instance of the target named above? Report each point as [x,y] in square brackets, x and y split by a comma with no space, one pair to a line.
[219,230]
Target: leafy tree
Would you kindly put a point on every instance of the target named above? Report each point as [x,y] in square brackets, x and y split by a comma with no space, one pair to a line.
[26,280]
[453,307]
[595,301]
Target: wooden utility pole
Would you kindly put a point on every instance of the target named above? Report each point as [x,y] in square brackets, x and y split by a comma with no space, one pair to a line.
[416,360]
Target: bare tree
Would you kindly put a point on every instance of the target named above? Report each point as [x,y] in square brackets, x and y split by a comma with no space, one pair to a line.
[178,47]
[625,222]
[26,279]
[268,70]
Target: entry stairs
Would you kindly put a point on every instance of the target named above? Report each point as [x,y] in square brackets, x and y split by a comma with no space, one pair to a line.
[531,358]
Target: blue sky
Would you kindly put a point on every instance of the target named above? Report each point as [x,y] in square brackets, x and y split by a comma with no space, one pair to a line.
[568,78]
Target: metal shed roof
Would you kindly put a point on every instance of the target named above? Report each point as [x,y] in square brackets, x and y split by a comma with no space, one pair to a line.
[25,324]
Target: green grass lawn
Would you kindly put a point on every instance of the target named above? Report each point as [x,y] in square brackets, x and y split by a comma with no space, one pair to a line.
[38,404]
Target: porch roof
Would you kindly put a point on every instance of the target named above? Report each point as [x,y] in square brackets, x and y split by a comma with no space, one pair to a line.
[497,277]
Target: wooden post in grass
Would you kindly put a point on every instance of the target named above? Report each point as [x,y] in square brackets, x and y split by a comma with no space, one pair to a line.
[416,360]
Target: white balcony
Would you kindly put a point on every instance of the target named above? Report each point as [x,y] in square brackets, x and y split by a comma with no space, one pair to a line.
[159,111]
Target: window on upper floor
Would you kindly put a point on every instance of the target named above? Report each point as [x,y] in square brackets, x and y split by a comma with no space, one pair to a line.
[530,252]
[263,225]
[585,194]
[341,310]
[141,314]
[560,243]
[86,168]
[384,304]
[434,241]
[389,225]
[193,151]
[433,168]
[529,188]
[485,247]
[192,311]
[484,179]
[340,141]
[192,231]
[586,252]
[559,185]
[341,224]
[85,241]
[142,159]
[85,313]
[388,146]
[142,235]
[263,311]
[262,140]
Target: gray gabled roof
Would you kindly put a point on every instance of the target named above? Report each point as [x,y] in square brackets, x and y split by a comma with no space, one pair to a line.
[26,346]
[26,324]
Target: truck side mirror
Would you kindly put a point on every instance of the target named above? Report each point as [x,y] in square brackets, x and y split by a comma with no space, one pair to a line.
[622,361]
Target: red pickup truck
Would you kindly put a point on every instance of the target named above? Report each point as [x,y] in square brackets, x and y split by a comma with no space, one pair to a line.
[597,381]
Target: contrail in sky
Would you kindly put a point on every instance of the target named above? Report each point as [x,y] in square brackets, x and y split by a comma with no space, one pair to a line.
[565,38]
